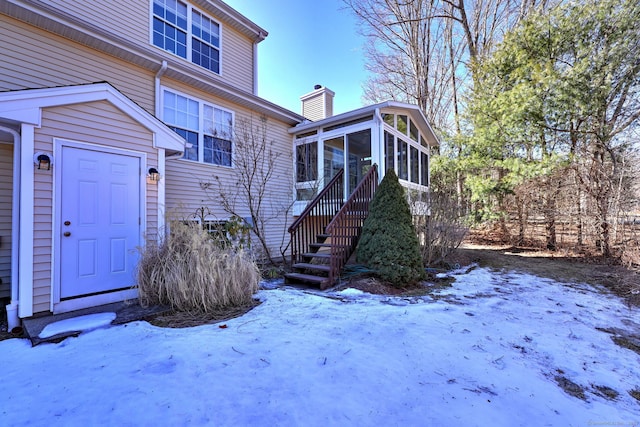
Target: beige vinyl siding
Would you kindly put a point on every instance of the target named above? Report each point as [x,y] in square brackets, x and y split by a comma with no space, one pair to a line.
[93,123]
[132,21]
[237,59]
[313,109]
[328,106]
[6,199]
[36,59]
[186,180]
[126,18]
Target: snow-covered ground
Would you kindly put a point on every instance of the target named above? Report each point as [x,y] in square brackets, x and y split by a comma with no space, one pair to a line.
[488,351]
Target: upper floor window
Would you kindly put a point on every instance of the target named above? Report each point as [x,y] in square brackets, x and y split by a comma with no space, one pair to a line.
[186,32]
[209,129]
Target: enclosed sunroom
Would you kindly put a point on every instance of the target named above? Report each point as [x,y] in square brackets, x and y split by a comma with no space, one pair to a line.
[339,161]
[392,135]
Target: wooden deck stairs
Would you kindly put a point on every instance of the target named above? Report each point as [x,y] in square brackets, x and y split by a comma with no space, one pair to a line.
[326,233]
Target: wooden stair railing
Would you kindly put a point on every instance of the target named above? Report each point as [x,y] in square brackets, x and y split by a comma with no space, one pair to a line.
[346,227]
[316,216]
[334,240]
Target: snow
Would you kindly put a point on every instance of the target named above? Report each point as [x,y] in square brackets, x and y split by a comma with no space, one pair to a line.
[484,352]
[80,323]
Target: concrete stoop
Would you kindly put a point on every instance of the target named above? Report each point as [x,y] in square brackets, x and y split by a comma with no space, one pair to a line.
[127,311]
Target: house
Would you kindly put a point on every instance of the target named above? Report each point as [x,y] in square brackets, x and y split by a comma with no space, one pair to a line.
[116,116]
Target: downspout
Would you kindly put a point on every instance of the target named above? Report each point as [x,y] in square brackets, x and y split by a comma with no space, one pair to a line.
[261,36]
[158,114]
[161,152]
[159,74]
[12,309]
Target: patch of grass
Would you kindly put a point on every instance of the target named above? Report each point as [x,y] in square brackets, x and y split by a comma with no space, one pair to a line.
[629,342]
[635,393]
[570,387]
[190,273]
[606,392]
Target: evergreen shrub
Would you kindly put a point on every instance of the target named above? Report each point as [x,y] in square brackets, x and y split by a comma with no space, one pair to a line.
[389,243]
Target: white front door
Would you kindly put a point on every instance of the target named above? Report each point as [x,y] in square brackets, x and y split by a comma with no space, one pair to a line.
[100,216]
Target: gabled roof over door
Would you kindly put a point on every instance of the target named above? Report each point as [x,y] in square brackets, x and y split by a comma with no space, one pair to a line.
[25,106]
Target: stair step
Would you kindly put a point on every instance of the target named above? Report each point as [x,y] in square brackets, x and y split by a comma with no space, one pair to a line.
[324,255]
[318,280]
[320,245]
[308,266]
[327,245]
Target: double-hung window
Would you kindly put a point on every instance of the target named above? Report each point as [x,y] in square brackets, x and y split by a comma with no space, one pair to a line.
[185,31]
[208,128]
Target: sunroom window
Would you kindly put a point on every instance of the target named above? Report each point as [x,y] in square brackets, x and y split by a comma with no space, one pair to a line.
[209,129]
[307,162]
[185,31]
[405,149]
[402,159]
[415,166]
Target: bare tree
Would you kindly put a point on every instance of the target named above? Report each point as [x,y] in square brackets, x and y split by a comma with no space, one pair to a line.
[252,193]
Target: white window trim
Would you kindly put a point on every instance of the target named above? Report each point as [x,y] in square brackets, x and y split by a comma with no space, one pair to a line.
[410,143]
[201,133]
[190,36]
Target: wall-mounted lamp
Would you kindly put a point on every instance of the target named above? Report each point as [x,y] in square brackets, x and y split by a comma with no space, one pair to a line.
[153,175]
[43,161]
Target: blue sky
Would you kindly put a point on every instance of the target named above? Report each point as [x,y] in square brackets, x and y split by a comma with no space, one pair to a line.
[309,43]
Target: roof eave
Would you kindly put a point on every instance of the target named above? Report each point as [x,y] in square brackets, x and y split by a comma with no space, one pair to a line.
[432,139]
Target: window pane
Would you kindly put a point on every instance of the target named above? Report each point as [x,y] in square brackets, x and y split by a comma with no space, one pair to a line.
[208,149]
[333,157]
[221,152]
[219,122]
[305,194]
[414,165]
[190,153]
[388,119]
[413,131]
[424,171]
[180,111]
[402,123]
[217,151]
[227,124]
[205,56]
[208,122]
[389,151]
[307,162]
[402,159]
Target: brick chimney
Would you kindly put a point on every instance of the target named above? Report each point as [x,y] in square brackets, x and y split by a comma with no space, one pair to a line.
[318,105]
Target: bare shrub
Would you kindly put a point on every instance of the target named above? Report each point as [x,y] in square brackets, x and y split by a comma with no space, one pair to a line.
[189,272]
[439,225]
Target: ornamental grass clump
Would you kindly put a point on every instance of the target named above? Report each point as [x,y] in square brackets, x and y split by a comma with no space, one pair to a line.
[389,244]
[189,272]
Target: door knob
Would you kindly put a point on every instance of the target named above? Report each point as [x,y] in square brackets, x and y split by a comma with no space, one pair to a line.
[67,234]
[67,223]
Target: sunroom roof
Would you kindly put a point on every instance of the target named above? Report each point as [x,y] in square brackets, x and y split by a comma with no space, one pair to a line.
[412,110]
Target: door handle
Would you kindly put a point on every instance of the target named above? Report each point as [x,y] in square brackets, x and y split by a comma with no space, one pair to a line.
[66,234]
[67,223]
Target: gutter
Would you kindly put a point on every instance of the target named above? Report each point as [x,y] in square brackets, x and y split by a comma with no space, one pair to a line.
[12,309]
